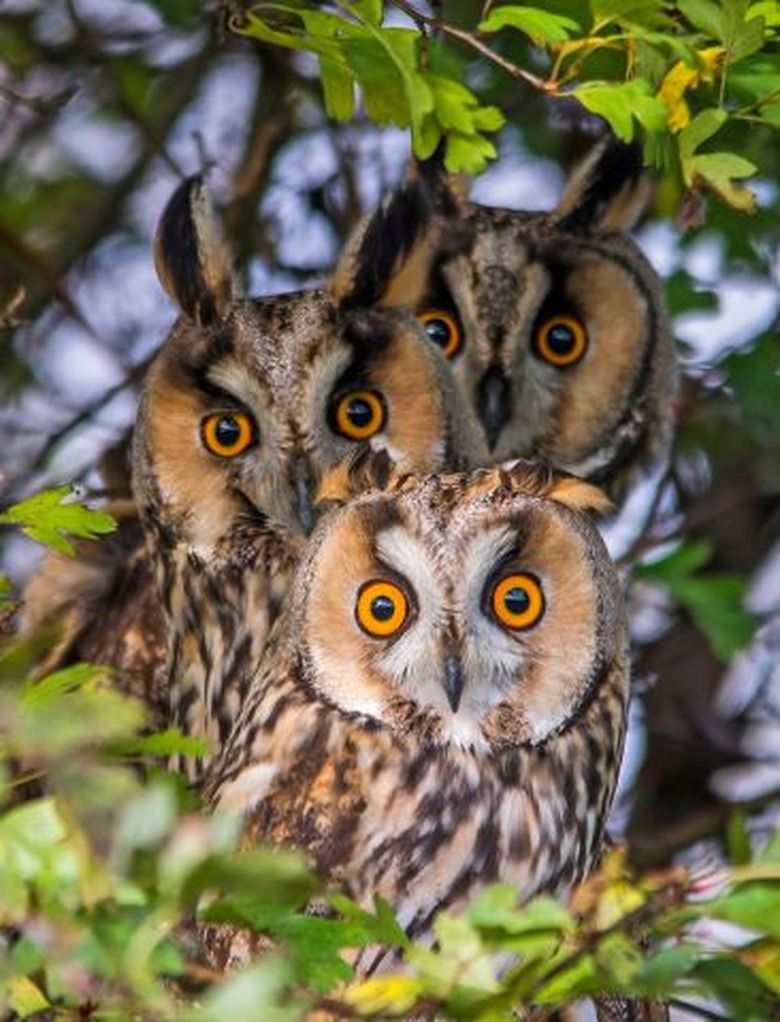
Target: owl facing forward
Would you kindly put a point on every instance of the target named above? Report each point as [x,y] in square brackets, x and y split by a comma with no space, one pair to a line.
[249,402]
[442,703]
[556,328]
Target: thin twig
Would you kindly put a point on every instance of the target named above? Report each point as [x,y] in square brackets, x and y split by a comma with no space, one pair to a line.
[423,21]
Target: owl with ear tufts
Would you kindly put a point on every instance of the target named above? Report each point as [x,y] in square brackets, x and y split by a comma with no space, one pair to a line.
[443,700]
[556,328]
[248,404]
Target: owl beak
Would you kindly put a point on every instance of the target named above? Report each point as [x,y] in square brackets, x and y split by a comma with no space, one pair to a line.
[303,490]
[493,403]
[453,681]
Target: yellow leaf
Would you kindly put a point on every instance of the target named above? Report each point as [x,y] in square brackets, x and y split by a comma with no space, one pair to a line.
[672,92]
[25,998]
[681,78]
[394,994]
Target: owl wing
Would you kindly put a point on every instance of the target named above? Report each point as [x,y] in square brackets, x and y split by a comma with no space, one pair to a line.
[103,606]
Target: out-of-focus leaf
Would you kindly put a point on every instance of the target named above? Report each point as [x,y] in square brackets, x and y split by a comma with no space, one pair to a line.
[659,972]
[702,127]
[754,905]
[619,103]
[25,998]
[744,995]
[539,25]
[720,172]
[50,516]
[384,995]
[705,15]
[683,295]
[162,743]
[497,909]
[755,376]
[641,12]
[259,993]
[714,601]
[252,883]
[68,679]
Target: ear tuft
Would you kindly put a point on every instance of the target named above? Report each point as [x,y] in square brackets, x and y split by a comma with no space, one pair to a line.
[540,479]
[580,495]
[608,191]
[191,254]
[389,258]
[364,471]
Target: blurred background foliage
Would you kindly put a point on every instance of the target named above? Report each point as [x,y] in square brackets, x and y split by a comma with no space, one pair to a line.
[105,106]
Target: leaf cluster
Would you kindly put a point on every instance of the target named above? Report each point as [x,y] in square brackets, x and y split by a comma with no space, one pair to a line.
[683,71]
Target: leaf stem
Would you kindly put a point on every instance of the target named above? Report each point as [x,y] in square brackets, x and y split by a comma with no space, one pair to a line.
[423,21]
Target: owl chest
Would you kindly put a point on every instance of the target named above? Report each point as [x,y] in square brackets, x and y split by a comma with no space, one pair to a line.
[424,832]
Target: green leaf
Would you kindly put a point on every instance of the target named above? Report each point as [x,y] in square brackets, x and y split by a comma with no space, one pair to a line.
[714,601]
[371,11]
[755,377]
[684,295]
[742,36]
[620,103]
[467,153]
[719,172]
[684,561]
[497,909]
[53,686]
[338,89]
[659,972]
[162,743]
[539,25]
[743,994]
[259,992]
[25,998]
[705,15]
[641,12]
[754,905]
[703,126]
[52,515]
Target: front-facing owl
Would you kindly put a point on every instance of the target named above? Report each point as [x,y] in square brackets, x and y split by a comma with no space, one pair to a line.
[556,328]
[442,703]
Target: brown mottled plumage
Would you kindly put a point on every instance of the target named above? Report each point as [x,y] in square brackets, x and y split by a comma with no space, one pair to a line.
[556,327]
[458,750]
[249,402]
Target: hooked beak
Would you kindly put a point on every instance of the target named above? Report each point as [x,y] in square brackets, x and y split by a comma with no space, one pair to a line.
[303,492]
[453,681]
[493,403]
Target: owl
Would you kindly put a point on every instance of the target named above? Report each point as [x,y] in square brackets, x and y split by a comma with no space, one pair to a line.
[555,327]
[442,702]
[248,403]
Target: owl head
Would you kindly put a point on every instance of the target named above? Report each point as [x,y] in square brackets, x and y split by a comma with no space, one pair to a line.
[476,609]
[250,401]
[555,326]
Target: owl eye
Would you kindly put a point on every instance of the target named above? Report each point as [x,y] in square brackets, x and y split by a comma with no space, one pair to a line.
[359,414]
[442,328]
[561,341]
[517,601]
[381,609]
[228,434]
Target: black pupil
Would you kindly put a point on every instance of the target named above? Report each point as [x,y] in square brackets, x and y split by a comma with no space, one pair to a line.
[228,431]
[517,600]
[360,413]
[439,331]
[560,339]
[382,608]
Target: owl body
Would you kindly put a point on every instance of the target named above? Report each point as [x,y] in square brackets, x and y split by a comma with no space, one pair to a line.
[556,328]
[425,762]
[250,403]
